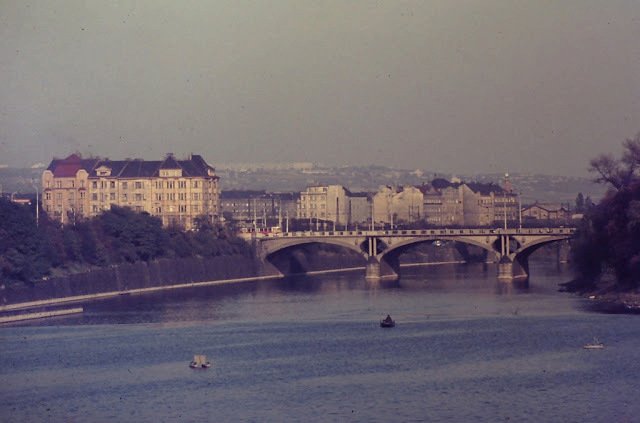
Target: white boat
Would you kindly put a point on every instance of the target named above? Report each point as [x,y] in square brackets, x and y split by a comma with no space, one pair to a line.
[595,345]
[200,362]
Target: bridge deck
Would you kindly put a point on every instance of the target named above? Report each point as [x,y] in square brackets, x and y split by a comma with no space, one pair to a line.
[445,233]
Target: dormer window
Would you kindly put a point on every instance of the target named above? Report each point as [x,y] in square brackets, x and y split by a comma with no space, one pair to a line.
[103,171]
[167,173]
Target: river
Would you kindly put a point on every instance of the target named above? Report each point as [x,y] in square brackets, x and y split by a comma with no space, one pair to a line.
[466,348]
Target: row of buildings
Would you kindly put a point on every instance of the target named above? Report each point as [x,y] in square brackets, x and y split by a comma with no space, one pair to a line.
[439,203]
[181,191]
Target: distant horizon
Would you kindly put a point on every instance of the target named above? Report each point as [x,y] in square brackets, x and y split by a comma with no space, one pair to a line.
[292,166]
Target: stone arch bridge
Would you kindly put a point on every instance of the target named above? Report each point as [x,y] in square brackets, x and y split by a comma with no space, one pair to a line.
[510,248]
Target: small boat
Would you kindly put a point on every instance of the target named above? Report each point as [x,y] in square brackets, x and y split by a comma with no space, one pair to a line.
[595,345]
[200,362]
[387,322]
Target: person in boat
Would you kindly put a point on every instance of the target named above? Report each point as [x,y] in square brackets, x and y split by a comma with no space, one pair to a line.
[388,319]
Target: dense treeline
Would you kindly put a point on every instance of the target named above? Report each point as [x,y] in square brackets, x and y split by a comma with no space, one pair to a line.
[29,252]
[608,238]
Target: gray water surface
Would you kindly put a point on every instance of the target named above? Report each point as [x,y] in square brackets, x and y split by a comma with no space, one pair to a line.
[466,348]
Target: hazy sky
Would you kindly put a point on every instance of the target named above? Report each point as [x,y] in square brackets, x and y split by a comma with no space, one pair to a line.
[450,86]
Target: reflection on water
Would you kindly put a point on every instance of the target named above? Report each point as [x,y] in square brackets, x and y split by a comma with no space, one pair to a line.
[466,348]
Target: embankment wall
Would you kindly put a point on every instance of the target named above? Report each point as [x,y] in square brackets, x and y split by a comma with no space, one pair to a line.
[164,272]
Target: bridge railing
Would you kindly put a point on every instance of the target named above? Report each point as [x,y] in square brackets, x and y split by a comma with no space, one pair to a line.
[444,232]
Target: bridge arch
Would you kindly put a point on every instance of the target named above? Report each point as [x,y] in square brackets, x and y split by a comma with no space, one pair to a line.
[526,249]
[284,244]
[488,246]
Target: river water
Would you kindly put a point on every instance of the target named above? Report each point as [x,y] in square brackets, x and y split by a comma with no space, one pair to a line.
[466,348]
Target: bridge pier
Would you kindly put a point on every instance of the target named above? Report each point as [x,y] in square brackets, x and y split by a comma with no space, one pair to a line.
[563,251]
[511,270]
[379,270]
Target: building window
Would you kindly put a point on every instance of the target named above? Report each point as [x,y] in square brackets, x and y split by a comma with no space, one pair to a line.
[94,197]
[124,185]
[138,197]
[94,184]
[112,196]
[47,196]
[138,185]
[183,209]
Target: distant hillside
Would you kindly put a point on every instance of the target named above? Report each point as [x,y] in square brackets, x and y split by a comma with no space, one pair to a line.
[559,189]
[19,180]
[547,188]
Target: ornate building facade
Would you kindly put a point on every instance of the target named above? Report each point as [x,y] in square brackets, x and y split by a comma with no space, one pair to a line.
[176,191]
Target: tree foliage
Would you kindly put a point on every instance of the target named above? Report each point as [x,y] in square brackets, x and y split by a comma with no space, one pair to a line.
[608,238]
[618,173]
[29,252]
[24,255]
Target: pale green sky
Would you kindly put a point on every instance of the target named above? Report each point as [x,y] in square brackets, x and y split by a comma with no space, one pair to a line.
[451,86]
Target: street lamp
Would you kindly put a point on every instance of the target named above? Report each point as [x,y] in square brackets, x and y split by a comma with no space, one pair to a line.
[33,184]
[520,210]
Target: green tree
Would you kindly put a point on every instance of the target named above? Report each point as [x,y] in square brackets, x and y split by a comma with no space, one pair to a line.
[132,236]
[608,238]
[579,203]
[621,172]
[23,256]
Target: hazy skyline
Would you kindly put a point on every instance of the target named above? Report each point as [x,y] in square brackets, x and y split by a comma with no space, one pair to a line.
[446,86]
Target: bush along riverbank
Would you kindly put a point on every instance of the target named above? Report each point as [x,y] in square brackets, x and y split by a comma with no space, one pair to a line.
[605,251]
[118,250]
[606,295]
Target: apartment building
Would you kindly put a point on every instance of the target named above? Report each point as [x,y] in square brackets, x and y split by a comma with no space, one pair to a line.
[258,208]
[359,208]
[328,203]
[398,205]
[546,212]
[470,204]
[176,191]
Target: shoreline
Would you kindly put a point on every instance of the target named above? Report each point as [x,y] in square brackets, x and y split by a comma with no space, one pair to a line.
[614,302]
[606,297]
[104,295]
